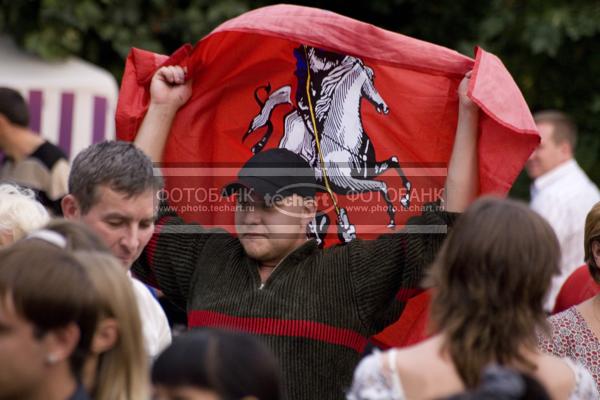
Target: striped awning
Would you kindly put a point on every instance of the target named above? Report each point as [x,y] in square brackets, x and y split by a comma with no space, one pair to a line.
[71,102]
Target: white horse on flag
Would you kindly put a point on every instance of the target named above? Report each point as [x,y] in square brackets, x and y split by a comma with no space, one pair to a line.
[326,128]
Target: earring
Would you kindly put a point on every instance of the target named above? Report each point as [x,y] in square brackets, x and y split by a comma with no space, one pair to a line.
[51,359]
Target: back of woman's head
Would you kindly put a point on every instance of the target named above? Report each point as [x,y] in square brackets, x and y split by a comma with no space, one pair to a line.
[591,235]
[490,279]
[500,383]
[233,365]
[122,371]
[77,235]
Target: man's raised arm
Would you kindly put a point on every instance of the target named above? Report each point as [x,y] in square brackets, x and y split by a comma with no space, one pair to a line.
[169,90]
[462,181]
[387,272]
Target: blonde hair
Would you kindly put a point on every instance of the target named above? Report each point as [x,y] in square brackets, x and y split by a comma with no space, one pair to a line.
[122,371]
[20,213]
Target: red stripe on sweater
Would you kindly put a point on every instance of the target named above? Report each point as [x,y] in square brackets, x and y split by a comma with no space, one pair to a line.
[279,327]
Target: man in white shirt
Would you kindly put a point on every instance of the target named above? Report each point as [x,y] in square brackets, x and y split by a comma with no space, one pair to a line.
[113,190]
[561,191]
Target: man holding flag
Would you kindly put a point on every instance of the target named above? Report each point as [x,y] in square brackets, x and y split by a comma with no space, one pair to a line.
[315,308]
[340,103]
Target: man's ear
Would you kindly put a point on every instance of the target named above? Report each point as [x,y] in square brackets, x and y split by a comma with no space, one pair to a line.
[70,207]
[566,150]
[106,336]
[4,122]
[60,343]
[309,208]
[6,237]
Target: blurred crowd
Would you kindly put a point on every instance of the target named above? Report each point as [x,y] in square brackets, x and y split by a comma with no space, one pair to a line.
[98,278]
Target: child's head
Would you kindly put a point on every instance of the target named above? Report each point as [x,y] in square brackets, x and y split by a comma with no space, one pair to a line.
[216,365]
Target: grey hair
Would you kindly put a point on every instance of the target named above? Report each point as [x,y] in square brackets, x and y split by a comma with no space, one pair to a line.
[119,165]
[20,212]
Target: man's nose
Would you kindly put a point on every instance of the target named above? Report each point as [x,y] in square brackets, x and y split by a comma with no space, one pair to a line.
[251,216]
[131,239]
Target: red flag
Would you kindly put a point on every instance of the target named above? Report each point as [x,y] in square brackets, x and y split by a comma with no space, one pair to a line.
[373,98]
[329,88]
[411,328]
[258,65]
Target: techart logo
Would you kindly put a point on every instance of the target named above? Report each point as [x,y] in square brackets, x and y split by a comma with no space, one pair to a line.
[292,206]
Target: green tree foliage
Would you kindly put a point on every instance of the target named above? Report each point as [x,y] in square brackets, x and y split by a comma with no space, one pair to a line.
[103,31]
[551,47]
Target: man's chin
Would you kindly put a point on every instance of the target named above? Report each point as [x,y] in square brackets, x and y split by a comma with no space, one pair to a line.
[254,249]
[126,262]
[252,241]
[532,172]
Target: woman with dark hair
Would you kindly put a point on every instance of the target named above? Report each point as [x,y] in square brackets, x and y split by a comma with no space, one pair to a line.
[576,331]
[116,367]
[490,280]
[48,315]
[216,365]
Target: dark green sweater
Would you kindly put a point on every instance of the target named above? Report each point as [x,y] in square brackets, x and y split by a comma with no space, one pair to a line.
[317,309]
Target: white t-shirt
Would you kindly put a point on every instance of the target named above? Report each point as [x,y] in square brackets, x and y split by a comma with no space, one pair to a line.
[377,378]
[563,197]
[157,335]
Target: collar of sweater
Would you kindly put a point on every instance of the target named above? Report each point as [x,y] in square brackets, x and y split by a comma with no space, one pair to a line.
[297,255]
